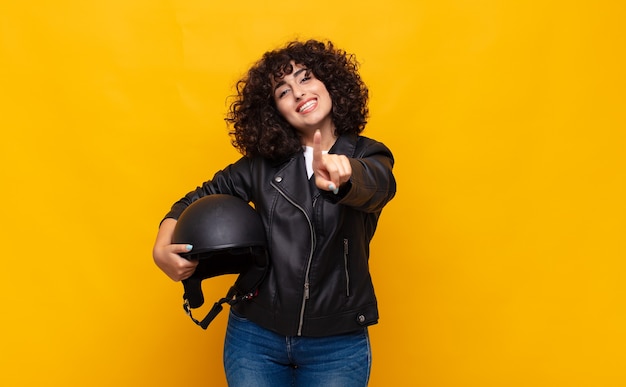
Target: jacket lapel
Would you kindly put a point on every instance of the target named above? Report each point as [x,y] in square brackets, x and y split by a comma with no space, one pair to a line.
[292,180]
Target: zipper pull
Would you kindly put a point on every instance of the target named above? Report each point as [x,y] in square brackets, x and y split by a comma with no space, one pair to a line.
[306,290]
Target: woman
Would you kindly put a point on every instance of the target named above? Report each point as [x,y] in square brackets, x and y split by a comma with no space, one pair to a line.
[320,188]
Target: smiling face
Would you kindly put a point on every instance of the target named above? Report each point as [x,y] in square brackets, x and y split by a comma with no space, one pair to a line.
[304,102]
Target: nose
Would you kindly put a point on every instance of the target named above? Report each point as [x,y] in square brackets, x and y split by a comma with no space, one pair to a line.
[298,92]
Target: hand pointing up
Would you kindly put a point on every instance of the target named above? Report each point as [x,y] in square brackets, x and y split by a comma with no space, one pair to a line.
[330,170]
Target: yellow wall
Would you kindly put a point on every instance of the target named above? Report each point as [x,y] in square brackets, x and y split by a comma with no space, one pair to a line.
[500,262]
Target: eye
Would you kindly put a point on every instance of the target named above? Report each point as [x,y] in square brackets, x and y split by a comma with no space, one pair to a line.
[306,76]
[283,92]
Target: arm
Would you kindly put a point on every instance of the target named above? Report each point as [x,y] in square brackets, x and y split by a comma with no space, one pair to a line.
[372,184]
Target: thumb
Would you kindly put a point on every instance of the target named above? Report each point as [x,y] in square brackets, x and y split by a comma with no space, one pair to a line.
[182,248]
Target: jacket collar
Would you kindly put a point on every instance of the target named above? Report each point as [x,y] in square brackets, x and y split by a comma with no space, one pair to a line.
[345,145]
[290,177]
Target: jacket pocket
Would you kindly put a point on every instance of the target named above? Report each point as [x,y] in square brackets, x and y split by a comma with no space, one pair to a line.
[345,265]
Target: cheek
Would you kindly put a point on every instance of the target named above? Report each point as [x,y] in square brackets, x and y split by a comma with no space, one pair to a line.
[283,108]
[323,91]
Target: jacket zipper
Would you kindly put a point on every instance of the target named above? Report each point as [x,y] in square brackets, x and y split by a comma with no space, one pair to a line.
[345,262]
[306,293]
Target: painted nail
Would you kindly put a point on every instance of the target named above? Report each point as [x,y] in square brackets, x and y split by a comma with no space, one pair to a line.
[188,247]
[332,187]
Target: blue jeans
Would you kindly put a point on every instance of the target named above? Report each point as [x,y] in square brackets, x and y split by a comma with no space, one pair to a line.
[257,357]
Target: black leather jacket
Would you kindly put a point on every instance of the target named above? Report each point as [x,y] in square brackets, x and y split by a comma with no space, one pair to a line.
[318,283]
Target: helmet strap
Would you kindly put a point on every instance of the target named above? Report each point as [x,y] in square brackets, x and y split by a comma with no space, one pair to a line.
[231,299]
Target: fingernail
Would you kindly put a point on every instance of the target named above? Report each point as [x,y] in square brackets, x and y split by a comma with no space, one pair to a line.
[331,187]
[336,191]
[188,247]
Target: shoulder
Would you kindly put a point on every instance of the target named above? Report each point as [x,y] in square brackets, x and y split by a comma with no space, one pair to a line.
[357,146]
[367,146]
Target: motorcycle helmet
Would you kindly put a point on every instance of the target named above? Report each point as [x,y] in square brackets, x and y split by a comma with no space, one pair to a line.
[228,237]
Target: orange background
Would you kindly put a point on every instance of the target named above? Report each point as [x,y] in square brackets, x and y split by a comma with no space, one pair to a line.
[499,263]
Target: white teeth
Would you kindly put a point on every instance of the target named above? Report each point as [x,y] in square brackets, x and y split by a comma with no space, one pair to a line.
[307,105]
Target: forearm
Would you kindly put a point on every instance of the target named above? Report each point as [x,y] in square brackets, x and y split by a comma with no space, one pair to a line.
[166,255]
[166,230]
[372,183]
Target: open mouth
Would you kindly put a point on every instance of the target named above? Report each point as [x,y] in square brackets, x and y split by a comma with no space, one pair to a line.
[307,106]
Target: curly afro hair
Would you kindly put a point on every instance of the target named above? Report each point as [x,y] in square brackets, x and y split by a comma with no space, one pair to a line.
[258,129]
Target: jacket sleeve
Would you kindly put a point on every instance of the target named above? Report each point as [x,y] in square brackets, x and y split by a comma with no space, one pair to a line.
[232,180]
[372,184]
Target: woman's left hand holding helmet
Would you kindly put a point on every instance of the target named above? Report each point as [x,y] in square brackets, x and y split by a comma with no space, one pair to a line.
[166,255]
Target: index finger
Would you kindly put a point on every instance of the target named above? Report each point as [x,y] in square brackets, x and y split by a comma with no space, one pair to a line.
[317,147]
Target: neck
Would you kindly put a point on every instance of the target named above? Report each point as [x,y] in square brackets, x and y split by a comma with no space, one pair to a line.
[328,137]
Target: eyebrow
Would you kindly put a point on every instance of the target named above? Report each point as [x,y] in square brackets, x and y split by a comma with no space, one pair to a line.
[282,82]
